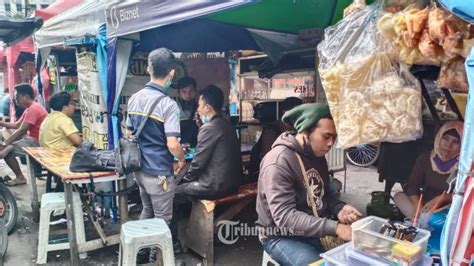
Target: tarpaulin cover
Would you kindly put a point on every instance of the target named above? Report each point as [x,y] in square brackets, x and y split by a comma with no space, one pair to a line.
[56,8]
[285,16]
[462,8]
[198,35]
[79,21]
[465,162]
[126,17]
[15,30]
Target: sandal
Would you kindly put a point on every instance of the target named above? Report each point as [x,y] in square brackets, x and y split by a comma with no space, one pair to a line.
[5,179]
[15,182]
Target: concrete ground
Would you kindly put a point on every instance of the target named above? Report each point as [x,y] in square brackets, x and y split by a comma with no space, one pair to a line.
[23,241]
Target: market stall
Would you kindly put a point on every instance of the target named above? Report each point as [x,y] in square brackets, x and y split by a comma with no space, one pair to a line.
[218,28]
[73,58]
[18,53]
[377,67]
[457,240]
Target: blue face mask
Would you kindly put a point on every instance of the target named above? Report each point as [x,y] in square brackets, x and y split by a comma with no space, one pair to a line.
[205,119]
[168,84]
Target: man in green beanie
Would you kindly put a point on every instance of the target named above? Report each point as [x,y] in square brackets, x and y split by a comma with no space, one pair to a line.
[295,205]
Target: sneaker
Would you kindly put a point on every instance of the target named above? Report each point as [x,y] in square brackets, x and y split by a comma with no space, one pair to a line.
[143,256]
[179,262]
[177,248]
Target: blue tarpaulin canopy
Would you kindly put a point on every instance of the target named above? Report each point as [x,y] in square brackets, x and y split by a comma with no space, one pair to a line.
[462,8]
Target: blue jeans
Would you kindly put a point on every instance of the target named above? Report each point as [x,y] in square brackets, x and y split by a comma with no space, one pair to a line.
[293,250]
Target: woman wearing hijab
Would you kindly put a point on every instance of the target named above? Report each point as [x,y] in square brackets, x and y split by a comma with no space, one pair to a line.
[431,171]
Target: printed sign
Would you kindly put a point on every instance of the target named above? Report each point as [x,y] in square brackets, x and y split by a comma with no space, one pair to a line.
[93,107]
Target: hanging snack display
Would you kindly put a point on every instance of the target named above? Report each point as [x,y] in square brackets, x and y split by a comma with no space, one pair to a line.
[371,99]
[431,36]
[453,75]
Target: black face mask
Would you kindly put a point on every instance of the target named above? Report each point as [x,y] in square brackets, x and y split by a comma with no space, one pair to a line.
[188,104]
[308,150]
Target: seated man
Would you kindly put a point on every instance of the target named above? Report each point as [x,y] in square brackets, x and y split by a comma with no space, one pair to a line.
[58,129]
[26,131]
[216,168]
[288,200]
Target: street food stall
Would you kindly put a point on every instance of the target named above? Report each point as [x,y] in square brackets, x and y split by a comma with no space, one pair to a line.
[373,95]
[375,66]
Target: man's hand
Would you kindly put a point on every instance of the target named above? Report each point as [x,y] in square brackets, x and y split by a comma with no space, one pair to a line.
[348,214]
[344,231]
[198,119]
[181,165]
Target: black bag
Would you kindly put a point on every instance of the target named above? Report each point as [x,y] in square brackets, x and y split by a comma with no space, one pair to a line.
[88,158]
[127,153]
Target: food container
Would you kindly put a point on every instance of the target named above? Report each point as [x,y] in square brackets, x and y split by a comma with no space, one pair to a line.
[367,239]
[336,256]
[355,258]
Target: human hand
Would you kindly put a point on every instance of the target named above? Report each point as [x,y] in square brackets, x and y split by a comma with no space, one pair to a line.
[198,119]
[181,165]
[431,203]
[348,214]
[344,231]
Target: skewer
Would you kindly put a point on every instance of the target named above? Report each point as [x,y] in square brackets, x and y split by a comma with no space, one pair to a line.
[418,209]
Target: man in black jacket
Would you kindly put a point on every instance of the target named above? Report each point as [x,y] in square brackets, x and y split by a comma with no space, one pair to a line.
[215,170]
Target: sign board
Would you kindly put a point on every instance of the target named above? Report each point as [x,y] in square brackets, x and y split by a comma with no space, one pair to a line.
[93,107]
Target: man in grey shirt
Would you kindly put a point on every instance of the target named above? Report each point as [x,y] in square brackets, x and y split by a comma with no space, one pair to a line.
[158,140]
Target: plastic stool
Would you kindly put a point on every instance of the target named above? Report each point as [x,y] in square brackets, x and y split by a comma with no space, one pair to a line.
[136,235]
[49,203]
[267,259]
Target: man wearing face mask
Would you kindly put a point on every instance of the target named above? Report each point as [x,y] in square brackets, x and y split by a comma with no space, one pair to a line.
[216,168]
[294,200]
[158,140]
[187,105]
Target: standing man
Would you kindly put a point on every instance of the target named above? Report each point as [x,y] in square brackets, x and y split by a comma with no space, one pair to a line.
[158,140]
[58,129]
[188,106]
[287,198]
[26,132]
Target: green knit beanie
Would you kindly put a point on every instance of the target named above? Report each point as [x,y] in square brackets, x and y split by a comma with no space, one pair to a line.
[306,115]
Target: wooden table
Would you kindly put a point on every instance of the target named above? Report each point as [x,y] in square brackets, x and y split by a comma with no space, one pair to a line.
[57,161]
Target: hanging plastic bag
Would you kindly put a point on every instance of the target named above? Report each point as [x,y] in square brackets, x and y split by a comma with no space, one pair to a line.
[339,40]
[370,98]
[356,4]
[387,108]
[453,75]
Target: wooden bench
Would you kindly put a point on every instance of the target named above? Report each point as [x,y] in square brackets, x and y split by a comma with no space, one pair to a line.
[201,225]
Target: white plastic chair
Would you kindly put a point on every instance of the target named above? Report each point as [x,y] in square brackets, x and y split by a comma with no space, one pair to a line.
[49,203]
[267,259]
[136,235]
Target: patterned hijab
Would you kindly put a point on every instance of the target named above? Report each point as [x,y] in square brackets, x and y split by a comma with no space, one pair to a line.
[442,163]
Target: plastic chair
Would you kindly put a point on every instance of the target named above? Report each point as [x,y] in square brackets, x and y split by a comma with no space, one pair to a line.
[49,203]
[267,259]
[136,235]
